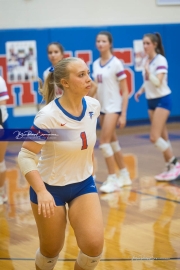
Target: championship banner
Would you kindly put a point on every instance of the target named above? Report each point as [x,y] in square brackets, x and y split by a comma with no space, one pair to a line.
[21,59]
[168,2]
[138,54]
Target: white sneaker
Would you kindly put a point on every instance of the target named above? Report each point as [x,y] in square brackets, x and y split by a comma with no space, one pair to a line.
[161,176]
[124,180]
[171,173]
[3,199]
[177,165]
[110,185]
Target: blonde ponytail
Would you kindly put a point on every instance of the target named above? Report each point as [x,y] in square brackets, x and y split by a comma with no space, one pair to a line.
[47,90]
[58,72]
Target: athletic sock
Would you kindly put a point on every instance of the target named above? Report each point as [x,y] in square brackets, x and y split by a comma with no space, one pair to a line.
[112,175]
[173,160]
[123,171]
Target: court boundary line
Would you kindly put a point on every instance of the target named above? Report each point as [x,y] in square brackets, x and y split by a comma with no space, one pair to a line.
[151,195]
[154,196]
[103,260]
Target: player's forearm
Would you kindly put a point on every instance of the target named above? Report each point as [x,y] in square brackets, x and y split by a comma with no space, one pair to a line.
[124,103]
[125,94]
[35,181]
[28,167]
[142,89]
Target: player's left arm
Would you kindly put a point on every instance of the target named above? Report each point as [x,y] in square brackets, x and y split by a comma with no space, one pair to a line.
[2,102]
[125,93]
[160,76]
[157,79]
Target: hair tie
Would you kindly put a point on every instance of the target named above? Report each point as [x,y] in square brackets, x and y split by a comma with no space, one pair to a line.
[156,34]
[51,69]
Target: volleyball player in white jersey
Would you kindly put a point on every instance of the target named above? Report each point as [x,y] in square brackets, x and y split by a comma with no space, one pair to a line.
[64,171]
[55,53]
[108,73]
[3,144]
[158,97]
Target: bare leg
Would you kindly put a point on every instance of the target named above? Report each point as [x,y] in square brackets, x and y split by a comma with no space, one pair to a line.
[158,121]
[108,125]
[165,136]
[118,155]
[85,216]
[51,231]
[3,147]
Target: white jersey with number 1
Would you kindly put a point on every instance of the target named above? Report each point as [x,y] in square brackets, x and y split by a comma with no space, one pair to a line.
[68,142]
[107,77]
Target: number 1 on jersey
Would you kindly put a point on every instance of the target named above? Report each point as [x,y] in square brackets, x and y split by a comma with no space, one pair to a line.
[84,140]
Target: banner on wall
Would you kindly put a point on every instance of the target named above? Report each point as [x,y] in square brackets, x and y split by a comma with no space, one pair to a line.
[21,59]
[167,2]
[139,54]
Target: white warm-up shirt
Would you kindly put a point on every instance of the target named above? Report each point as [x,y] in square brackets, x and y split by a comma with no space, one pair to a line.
[107,78]
[157,65]
[67,158]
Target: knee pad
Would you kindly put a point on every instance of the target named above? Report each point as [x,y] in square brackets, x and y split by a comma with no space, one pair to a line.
[106,150]
[161,144]
[115,146]
[45,263]
[87,262]
[2,166]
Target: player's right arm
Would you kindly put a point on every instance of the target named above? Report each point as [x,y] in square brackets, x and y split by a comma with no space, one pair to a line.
[27,163]
[2,102]
[139,93]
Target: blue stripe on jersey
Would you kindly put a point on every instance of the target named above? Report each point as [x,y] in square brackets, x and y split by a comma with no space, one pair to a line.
[78,118]
[43,134]
[161,67]
[106,63]
[120,73]
[2,94]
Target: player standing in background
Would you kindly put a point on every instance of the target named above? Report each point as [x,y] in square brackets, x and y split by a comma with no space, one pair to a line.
[158,97]
[64,171]
[108,73]
[3,144]
[55,53]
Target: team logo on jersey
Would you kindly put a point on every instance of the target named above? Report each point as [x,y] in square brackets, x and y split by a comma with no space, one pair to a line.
[91,114]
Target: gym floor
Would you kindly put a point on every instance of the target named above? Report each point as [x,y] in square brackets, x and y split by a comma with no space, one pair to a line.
[141,222]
